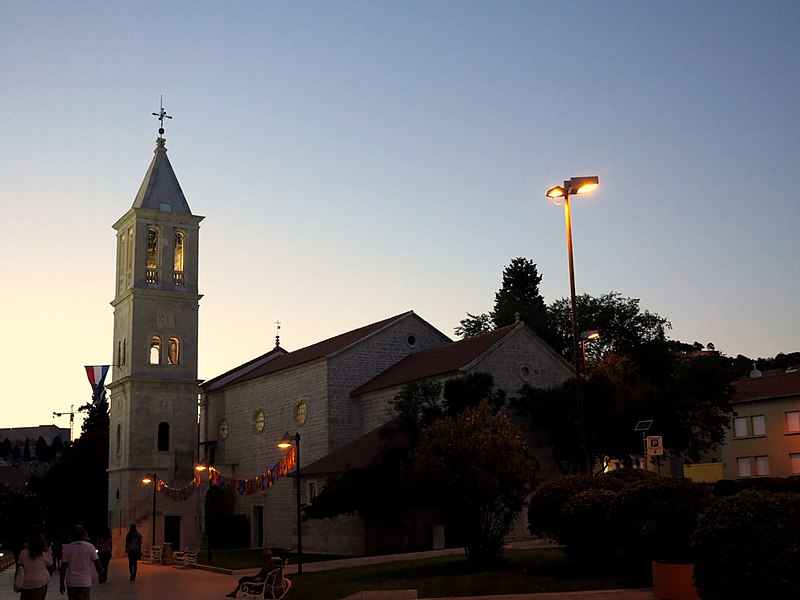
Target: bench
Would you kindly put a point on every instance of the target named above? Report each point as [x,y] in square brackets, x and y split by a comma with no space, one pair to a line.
[185,559]
[275,587]
[156,553]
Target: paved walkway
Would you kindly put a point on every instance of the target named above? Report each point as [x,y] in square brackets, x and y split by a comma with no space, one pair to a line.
[155,582]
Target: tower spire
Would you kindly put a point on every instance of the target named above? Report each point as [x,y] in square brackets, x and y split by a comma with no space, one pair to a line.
[161,114]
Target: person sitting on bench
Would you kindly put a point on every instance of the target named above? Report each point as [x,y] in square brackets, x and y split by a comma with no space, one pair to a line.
[269,565]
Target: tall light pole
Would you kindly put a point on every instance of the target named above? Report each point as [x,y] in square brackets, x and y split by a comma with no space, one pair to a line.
[576,185]
[285,444]
[154,481]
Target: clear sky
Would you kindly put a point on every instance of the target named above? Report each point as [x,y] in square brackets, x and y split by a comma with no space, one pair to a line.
[355,160]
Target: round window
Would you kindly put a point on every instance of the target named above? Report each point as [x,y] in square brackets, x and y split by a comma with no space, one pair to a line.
[259,420]
[223,429]
[301,413]
[524,372]
[411,340]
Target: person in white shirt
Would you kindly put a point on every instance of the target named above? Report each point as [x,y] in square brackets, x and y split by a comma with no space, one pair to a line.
[38,564]
[76,566]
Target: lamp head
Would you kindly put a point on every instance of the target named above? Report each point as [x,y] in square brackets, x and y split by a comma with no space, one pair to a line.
[286,441]
[147,480]
[591,334]
[582,185]
[200,468]
[556,192]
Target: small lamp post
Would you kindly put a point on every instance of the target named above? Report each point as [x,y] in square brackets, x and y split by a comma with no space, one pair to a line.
[576,185]
[287,442]
[588,336]
[154,481]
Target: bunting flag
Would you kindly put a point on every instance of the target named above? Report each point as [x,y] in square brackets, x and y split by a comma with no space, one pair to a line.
[97,378]
[245,487]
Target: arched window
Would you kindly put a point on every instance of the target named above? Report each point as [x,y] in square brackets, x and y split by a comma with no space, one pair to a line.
[155,350]
[177,262]
[119,437]
[173,351]
[151,275]
[163,436]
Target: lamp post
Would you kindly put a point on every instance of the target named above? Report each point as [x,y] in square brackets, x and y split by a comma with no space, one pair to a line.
[154,481]
[576,185]
[287,442]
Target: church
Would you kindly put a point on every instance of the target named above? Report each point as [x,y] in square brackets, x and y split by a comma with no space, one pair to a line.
[330,398]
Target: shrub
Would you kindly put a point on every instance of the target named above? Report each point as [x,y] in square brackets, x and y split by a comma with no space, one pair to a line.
[656,518]
[588,533]
[748,546]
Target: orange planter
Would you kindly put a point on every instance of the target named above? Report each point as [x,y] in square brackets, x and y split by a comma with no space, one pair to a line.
[674,581]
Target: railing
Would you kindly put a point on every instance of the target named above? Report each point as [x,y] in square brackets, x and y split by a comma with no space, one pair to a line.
[177,278]
[151,276]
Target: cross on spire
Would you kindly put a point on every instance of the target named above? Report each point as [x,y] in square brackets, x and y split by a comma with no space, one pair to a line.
[277,334]
[161,114]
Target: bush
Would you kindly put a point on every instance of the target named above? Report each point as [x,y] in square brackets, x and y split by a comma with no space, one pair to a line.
[545,509]
[588,533]
[656,518]
[748,546]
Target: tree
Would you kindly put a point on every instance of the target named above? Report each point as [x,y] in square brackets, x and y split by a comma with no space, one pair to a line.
[20,516]
[518,297]
[97,415]
[482,474]
[622,324]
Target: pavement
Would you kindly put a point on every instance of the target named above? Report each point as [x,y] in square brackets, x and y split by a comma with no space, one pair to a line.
[155,582]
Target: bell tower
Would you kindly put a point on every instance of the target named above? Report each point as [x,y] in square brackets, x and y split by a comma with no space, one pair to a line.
[155,387]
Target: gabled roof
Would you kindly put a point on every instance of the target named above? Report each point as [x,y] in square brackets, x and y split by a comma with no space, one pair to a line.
[354,455]
[160,189]
[450,358]
[221,381]
[324,349]
[768,386]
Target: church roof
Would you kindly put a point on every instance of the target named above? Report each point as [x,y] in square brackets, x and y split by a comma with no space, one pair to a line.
[160,189]
[325,348]
[450,358]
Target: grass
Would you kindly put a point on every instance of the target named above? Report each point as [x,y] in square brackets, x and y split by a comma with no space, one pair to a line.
[522,571]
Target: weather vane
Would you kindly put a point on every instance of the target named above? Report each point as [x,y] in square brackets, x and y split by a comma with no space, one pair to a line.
[161,114]
[278,334]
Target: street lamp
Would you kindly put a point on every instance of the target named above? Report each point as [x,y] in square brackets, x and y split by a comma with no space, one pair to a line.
[154,481]
[588,336]
[287,442]
[576,185]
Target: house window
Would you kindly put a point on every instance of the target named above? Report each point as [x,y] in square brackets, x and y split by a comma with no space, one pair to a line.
[793,422]
[155,350]
[794,463]
[163,436]
[745,427]
[223,429]
[312,490]
[173,351]
[752,466]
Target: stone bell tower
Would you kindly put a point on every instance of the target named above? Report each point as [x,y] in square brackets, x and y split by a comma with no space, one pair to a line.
[155,387]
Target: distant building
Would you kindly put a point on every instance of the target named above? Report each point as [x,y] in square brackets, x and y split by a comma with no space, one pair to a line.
[18,437]
[764,437]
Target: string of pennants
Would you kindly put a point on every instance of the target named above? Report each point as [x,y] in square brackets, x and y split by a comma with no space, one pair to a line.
[245,487]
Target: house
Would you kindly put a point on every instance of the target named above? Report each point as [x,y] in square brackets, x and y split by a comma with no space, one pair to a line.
[764,438]
[335,394]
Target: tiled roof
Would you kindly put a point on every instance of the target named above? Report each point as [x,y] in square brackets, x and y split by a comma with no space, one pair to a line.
[449,358]
[319,350]
[221,381]
[778,385]
[354,455]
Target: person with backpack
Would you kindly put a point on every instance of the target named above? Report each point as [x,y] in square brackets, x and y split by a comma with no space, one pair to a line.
[133,548]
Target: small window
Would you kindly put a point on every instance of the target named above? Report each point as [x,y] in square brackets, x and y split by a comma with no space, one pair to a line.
[163,436]
[119,437]
[794,463]
[173,351]
[223,429]
[301,413]
[793,422]
[524,373]
[745,427]
[178,257]
[259,420]
[155,350]
[759,426]
[744,467]
[152,248]
[411,340]
[762,466]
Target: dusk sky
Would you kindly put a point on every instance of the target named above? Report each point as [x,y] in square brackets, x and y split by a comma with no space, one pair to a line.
[355,160]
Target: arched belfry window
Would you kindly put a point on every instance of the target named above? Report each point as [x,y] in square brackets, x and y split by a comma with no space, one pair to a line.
[155,350]
[173,351]
[177,262]
[152,255]
[163,436]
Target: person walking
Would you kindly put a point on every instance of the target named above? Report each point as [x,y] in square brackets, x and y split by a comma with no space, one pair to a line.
[104,549]
[37,561]
[133,548]
[76,566]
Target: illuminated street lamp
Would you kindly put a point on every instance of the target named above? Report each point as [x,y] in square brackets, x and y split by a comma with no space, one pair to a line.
[589,335]
[576,185]
[154,481]
[287,442]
